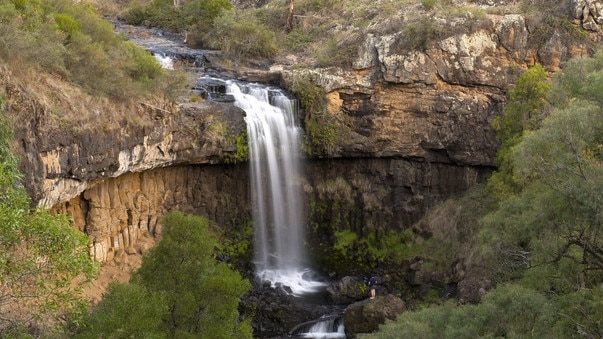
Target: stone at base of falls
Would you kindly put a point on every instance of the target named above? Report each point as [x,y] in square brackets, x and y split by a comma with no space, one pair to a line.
[366,316]
[347,290]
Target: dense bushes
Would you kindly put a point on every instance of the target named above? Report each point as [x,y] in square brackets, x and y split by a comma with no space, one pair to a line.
[179,291]
[70,40]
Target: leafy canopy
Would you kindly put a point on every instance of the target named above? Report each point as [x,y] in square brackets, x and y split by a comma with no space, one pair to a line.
[179,291]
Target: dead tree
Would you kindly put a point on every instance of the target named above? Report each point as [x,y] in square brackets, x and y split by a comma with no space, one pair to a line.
[289,27]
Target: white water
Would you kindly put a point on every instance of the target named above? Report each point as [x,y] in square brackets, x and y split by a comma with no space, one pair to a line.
[274,155]
[165,61]
[324,330]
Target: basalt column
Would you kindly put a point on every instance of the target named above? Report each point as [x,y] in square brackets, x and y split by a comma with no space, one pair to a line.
[118,211]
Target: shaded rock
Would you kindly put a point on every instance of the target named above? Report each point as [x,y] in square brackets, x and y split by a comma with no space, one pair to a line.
[347,290]
[275,311]
[366,316]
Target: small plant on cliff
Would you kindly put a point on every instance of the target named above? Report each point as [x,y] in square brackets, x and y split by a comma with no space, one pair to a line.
[241,152]
[352,252]
[428,4]
[321,128]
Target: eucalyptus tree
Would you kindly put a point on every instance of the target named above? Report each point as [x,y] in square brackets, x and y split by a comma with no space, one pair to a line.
[554,224]
[180,291]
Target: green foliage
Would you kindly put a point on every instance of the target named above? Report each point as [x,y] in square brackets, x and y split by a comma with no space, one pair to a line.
[321,134]
[203,295]
[143,66]
[524,112]
[78,45]
[527,100]
[67,24]
[581,79]
[241,149]
[365,253]
[322,128]
[183,290]
[420,34]
[126,311]
[507,311]
[428,4]
[311,96]
[241,37]
[237,246]
[555,218]
[40,254]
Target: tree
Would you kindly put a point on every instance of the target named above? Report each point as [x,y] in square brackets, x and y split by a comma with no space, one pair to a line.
[180,291]
[202,294]
[40,254]
[289,27]
[556,219]
[128,309]
[524,112]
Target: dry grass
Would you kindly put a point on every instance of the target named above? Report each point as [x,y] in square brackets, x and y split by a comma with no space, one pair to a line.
[31,94]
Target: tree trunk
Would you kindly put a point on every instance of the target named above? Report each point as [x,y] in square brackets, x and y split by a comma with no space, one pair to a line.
[289,27]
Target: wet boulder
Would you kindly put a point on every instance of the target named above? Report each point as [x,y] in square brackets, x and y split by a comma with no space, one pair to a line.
[366,316]
[347,290]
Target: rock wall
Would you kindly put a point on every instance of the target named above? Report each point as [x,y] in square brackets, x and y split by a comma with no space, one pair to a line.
[368,194]
[436,103]
[116,212]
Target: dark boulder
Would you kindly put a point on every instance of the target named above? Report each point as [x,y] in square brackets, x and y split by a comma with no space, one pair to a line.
[347,290]
[366,316]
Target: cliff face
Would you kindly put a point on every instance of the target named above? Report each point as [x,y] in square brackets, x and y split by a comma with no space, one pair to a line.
[417,126]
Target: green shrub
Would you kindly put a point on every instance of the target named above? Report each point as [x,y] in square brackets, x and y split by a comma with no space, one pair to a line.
[428,4]
[179,291]
[507,311]
[67,24]
[420,34]
[143,66]
[241,37]
[126,310]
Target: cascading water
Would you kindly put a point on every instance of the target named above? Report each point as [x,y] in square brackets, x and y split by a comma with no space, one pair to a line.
[274,154]
[274,161]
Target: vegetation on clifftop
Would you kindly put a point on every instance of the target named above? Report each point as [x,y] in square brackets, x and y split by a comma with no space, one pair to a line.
[71,41]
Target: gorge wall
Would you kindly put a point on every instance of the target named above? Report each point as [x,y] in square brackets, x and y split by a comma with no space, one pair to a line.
[417,127]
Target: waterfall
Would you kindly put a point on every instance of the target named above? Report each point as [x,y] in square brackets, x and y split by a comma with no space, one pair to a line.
[332,328]
[326,327]
[274,155]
